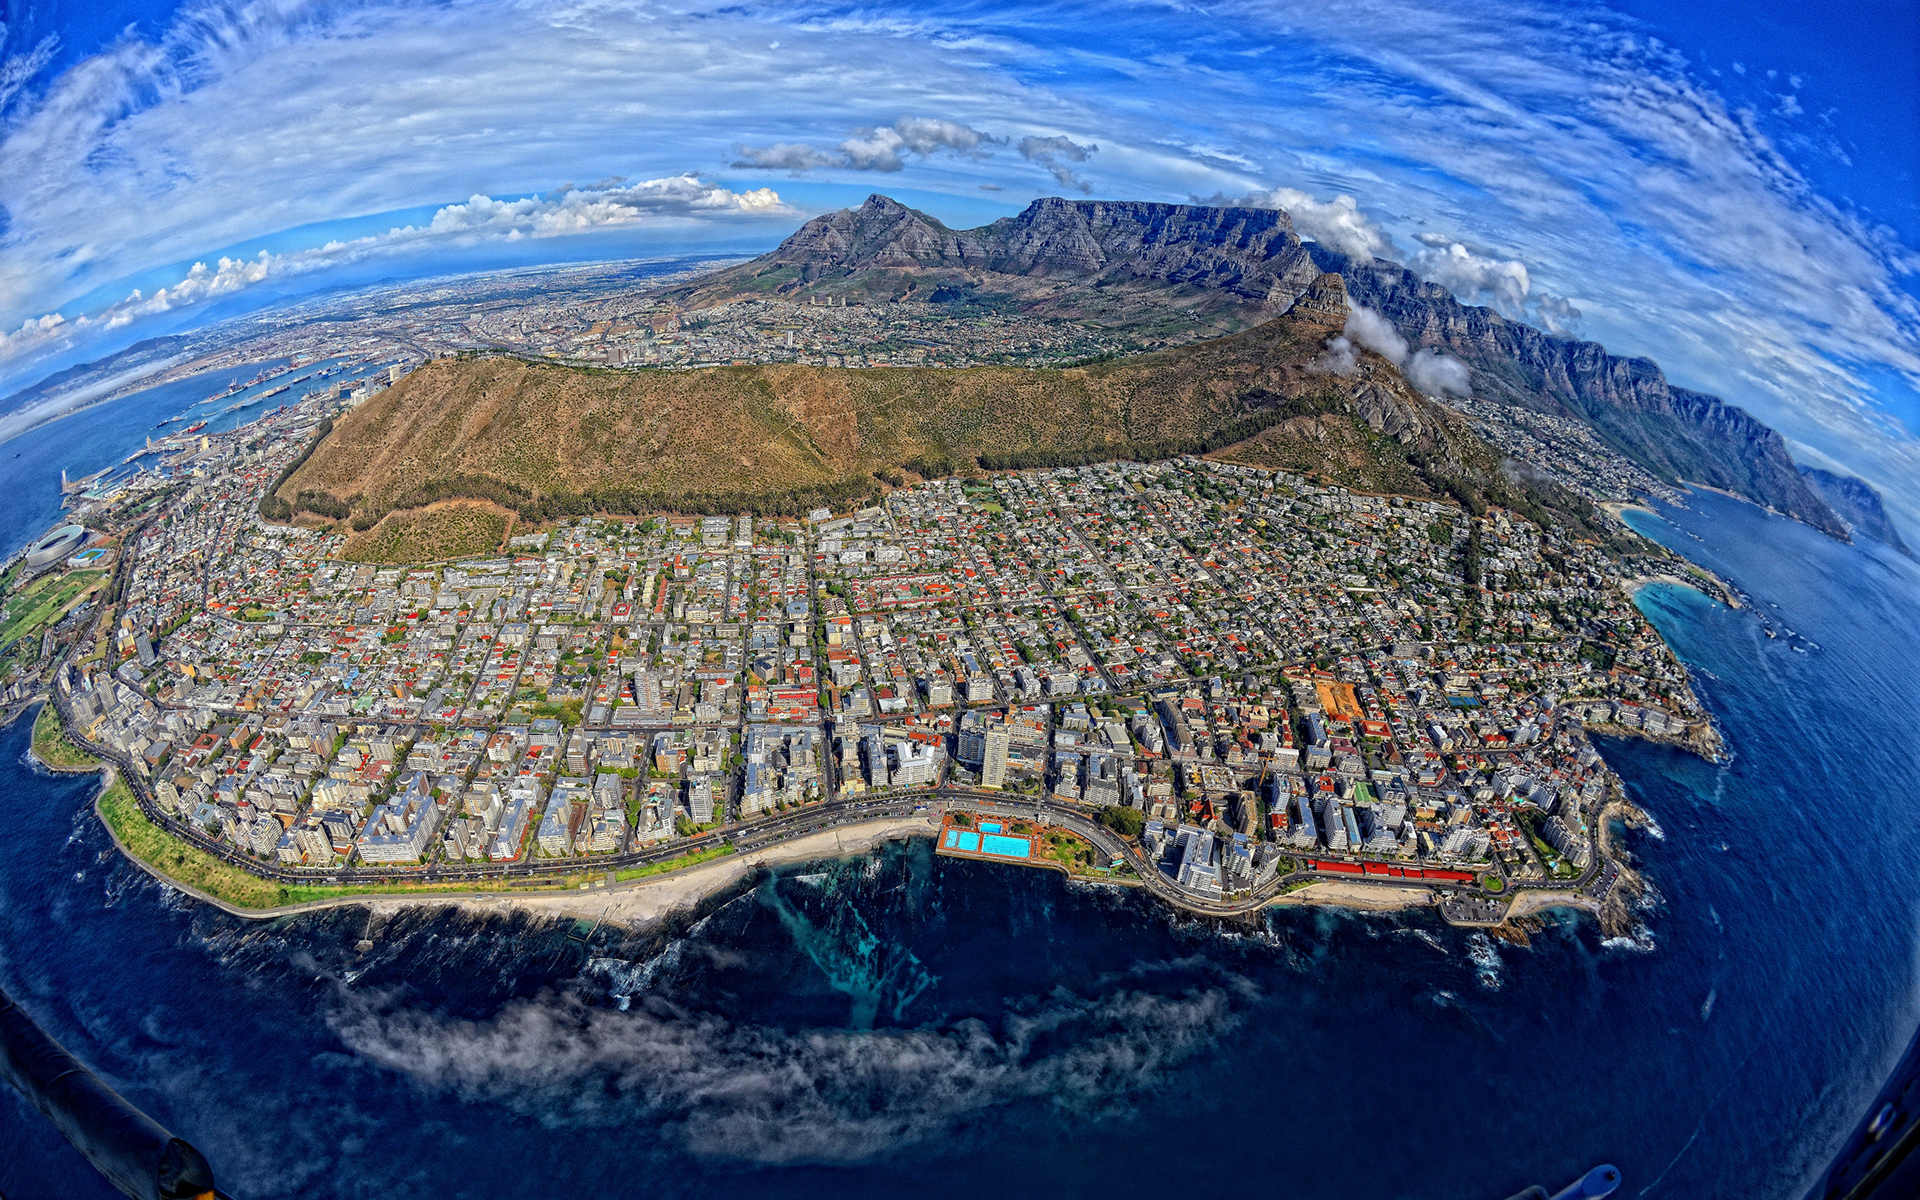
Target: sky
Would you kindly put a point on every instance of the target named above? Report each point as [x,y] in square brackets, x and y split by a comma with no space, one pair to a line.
[1730,189]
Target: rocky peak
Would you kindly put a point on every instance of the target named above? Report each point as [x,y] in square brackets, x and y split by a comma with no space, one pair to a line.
[1324,301]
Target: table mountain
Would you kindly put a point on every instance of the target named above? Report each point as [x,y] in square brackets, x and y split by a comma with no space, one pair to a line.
[1160,266]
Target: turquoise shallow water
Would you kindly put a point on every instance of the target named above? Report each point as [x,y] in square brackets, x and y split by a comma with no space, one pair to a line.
[869,1028]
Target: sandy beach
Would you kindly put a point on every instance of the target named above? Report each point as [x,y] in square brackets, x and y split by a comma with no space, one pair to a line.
[1614,508]
[645,901]
[1368,897]
[1530,902]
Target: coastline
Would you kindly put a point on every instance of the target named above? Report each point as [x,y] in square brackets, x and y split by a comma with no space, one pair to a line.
[635,903]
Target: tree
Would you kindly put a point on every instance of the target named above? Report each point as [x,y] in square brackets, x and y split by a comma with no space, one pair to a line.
[1129,822]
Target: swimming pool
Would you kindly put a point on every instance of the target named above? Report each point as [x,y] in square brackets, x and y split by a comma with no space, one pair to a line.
[989,827]
[1011,847]
[960,839]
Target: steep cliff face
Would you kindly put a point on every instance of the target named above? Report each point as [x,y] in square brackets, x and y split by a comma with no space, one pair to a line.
[1058,257]
[1858,504]
[1677,434]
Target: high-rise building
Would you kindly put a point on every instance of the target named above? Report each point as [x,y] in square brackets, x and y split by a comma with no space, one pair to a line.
[993,767]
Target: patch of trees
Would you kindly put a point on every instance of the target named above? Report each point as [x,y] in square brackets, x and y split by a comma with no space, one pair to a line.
[324,503]
[1271,409]
[613,501]
[1130,822]
[272,507]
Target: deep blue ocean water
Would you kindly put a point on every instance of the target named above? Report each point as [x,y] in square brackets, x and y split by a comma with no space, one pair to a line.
[903,1024]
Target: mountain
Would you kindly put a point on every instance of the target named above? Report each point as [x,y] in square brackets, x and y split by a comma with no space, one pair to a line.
[1858,504]
[140,354]
[1112,262]
[1177,267]
[1678,435]
[414,469]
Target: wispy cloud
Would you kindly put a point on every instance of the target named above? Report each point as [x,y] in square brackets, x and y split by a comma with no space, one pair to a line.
[756,1094]
[1054,153]
[881,149]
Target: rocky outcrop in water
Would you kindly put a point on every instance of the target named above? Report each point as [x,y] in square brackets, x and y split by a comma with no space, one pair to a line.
[1858,504]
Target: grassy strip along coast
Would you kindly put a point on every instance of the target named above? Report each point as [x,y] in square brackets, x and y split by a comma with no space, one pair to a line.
[51,747]
[191,867]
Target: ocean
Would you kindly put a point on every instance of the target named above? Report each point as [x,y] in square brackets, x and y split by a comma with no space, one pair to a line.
[906,1024]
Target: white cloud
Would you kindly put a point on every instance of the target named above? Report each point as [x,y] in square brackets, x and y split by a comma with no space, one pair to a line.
[571,211]
[1339,358]
[1436,373]
[1473,275]
[878,149]
[1368,328]
[1054,153]
[1337,224]
[1432,371]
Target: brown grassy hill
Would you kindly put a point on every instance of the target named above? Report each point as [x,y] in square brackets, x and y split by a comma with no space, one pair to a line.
[548,441]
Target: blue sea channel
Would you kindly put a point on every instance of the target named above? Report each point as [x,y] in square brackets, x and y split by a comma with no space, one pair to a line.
[907,1023]
[102,436]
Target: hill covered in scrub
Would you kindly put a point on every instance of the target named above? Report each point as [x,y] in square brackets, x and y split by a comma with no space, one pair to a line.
[545,441]
[1185,269]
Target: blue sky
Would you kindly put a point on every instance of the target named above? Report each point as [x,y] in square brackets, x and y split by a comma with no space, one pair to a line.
[1728,188]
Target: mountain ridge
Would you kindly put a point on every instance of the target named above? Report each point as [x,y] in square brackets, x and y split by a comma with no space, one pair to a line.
[1859,504]
[1130,262]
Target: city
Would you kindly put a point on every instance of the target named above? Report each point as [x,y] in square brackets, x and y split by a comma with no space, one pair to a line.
[1224,682]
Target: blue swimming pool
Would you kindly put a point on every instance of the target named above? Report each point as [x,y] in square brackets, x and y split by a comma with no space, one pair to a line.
[960,839]
[989,827]
[1011,847]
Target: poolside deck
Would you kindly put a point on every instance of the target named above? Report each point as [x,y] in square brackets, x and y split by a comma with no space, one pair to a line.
[994,838]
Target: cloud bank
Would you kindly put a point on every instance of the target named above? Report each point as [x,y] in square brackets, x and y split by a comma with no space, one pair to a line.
[1432,371]
[756,1094]
[568,211]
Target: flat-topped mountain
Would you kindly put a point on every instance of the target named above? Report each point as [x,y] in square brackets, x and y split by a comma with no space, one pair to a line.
[509,436]
[1113,262]
[1165,266]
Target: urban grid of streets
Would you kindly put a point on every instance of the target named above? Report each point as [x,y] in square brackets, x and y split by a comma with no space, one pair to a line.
[1273,677]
